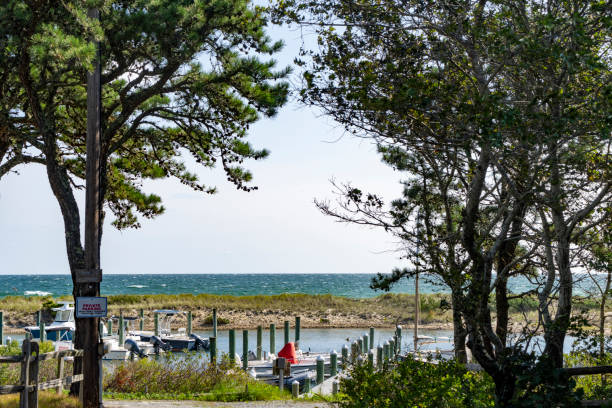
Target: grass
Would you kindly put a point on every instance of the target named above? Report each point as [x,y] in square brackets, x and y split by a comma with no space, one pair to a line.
[45,399]
[393,308]
[189,377]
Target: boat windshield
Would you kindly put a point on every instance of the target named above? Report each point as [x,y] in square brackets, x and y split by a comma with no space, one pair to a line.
[63,316]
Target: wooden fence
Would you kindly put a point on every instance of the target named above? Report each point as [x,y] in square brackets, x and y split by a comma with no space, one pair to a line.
[29,385]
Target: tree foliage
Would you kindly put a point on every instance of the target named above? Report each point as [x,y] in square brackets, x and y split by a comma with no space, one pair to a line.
[498,112]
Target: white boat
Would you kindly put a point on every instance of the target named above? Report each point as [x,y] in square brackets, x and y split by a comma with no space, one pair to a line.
[63,326]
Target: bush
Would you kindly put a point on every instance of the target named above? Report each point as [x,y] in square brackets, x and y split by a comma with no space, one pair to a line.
[220,320]
[187,376]
[413,383]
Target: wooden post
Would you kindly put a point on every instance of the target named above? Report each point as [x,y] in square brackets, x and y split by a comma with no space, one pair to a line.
[259,341]
[335,387]
[371,358]
[43,333]
[286,331]
[189,317]
[60,373]
[320,370]
[398,331]
[214,317]
[213,350]
[141,319]
[298,321]
[355,350]
[386,350]
[295,388]
[371,337]
[307,385]
[280,364]
[1,328]
[38,318]
[156,325]
[121,331]
[245,349]
[365,343]
[360,343]
[272,338]
[232,346]
[87,280]
[110,327]
[33,380]
[345,352]
[333,360]
[25,373]
[379,356]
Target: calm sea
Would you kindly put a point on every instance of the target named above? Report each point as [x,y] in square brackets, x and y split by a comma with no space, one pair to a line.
[349,285]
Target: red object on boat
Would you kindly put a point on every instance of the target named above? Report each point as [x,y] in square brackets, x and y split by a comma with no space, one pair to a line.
[288,352]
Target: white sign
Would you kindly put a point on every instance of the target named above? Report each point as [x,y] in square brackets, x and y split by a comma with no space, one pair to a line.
[90,307]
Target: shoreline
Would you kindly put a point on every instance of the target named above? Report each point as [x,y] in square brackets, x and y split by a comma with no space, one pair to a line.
[248,312]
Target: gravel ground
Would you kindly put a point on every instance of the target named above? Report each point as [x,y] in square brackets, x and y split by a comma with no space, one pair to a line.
[197,404]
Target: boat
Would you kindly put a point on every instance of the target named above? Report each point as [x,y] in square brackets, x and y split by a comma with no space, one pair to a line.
[174,341]
[132,348]
[63,326]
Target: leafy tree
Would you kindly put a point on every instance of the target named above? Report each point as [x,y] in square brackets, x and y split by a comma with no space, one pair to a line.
[179,77]
[511,100]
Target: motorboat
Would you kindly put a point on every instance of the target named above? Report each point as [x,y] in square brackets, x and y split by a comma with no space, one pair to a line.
[62,328]
[173,341]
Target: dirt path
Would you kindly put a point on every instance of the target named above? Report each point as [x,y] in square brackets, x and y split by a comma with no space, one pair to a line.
[197,404]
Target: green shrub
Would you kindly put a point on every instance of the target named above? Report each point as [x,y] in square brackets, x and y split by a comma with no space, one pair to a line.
[413,383]
[186,377]
[220,320]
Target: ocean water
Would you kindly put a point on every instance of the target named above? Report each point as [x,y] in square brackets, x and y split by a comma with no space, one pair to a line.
[348,285]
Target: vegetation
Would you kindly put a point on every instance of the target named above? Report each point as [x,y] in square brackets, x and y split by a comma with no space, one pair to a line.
[189,377]
[413,383]
[497,113]
[10,373]
[46,399]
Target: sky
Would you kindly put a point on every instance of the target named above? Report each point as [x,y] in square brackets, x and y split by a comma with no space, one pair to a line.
[275,229]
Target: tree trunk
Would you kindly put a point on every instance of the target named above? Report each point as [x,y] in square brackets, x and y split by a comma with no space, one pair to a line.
[60,185]
[459,333]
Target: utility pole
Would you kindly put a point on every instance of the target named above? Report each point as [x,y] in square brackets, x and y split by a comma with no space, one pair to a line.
[88,280]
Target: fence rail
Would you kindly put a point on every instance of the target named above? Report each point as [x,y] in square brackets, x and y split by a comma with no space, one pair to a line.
[29,384]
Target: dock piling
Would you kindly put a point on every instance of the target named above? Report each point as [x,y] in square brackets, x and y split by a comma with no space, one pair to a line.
[245,349]
[298,321]
[360,342]
[232,346]
[355,350]
[141,323]
[295,388]
[1,328]
[213,350]
[386,353]
[110,326]
[121,331]
[214,318]
[320,370]
[365,343]
[259,341]
[371,358]
[38,318]
[272,338]
[189,325]
[43,333]
[345,351]
[371,337]
[335,387]
[379,356]
[156,324]
[333,359]
[286,331]
[398,331]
